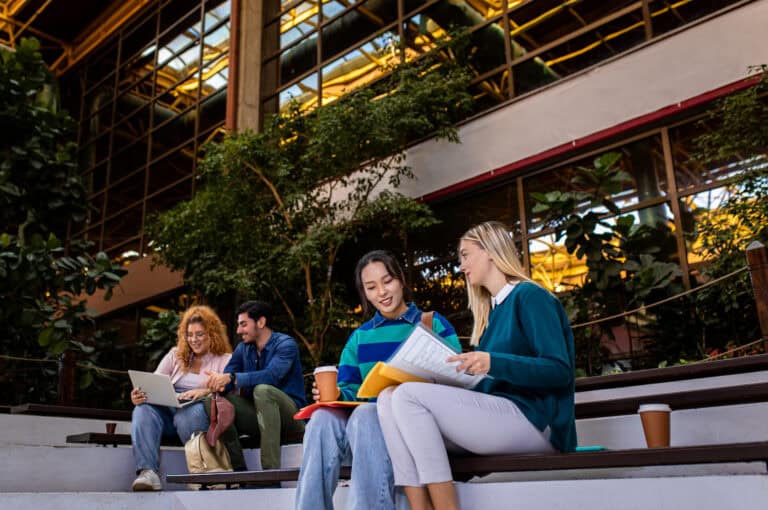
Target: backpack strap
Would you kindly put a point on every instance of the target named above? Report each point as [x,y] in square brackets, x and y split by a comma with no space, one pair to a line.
[426,319]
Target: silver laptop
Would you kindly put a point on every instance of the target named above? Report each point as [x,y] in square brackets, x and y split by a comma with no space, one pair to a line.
[158,387]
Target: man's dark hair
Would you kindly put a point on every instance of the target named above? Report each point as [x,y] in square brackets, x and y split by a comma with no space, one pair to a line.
[257,310]
[390,264]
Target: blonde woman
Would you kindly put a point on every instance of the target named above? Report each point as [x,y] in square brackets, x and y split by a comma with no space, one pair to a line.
[202,345]
[523,342]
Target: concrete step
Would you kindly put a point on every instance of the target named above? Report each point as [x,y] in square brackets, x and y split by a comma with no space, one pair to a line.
[94,468]
[745,492]
[34,456]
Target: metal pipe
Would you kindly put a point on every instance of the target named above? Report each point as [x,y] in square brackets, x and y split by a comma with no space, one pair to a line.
[348,29]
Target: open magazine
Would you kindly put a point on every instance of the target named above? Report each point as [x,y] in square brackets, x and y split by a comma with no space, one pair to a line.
[420,358]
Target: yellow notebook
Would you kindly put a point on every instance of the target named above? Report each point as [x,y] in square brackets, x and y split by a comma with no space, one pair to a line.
[382,376]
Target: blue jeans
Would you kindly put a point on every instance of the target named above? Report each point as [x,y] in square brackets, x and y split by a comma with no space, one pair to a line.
[333,437]
[151,423]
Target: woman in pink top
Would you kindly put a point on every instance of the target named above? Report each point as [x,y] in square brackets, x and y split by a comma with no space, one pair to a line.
[202,346]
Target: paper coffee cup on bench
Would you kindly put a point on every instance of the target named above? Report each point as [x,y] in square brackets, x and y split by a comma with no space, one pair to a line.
[325,377]
[655,418]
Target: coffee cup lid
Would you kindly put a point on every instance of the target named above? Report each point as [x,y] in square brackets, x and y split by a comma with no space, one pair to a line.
[653,407]
[329,368]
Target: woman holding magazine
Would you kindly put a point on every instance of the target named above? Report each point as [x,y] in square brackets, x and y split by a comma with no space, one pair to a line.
[202,344]
[523,342]
[334,436]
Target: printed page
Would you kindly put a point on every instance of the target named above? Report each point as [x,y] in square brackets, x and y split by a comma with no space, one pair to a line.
[423,354]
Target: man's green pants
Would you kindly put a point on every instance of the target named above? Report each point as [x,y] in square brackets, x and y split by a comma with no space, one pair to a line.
[268,417]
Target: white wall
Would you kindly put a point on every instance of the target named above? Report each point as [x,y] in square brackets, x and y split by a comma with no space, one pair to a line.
[698,60]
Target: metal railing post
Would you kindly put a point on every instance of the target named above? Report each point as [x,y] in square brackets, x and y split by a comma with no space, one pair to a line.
[66,389]
[757,259]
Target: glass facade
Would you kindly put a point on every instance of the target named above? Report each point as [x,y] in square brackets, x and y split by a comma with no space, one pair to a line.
[149,100]
[154,93]
[316,51]
[658,187]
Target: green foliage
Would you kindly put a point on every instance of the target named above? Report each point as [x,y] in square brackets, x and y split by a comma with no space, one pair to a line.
[274,207]
[628,263]
[725,315]
[39,187]
[159,336]
[742,127]
[741,135]
[41,281]
[625,260]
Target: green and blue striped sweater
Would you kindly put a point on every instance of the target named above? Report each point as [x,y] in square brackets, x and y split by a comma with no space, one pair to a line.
[376,340]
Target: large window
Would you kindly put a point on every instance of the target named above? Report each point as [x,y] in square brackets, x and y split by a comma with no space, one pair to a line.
[667,188]
[317,50]
[150,99]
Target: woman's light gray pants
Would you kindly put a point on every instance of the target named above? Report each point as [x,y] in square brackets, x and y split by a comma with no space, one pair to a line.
[422,422]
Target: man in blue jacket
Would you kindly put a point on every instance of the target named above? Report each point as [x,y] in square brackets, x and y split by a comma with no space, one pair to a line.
[266,386]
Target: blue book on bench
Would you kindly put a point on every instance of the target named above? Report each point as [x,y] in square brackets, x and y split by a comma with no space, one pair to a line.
[593,448]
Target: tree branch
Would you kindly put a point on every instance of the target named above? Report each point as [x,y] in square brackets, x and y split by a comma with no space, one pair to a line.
[309,345]
[272,189]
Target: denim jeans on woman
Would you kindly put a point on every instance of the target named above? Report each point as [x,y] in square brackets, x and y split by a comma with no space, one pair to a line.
[151,423]
[334,438]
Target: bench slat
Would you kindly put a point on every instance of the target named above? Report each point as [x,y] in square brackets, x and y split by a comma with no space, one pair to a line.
[741,365]
[482,465]
[246,477]
[104,439]
[710,397]
[72,412]
[678,455]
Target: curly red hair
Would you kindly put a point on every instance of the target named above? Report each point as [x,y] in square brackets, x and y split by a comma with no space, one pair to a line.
[218,341]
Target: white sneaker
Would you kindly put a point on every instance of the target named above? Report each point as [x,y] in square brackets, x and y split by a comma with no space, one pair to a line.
[147,481]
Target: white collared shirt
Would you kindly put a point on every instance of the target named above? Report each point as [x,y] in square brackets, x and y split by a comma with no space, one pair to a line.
[502,295]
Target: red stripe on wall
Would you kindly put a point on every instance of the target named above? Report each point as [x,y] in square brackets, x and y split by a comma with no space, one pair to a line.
[593,138]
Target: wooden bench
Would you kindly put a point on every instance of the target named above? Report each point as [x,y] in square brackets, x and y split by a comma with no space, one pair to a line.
[677,373]
[103,439]
[711,397]
[465,467]
[72,412]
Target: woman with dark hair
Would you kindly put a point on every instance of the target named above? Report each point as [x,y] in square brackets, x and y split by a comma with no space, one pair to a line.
[523,341]
[333,436]
[202,344]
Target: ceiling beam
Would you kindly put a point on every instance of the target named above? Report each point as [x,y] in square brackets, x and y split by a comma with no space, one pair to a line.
[34,31]
[97,32]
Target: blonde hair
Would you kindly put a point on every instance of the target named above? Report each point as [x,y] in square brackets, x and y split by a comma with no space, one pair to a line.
[218,341]
[495,239]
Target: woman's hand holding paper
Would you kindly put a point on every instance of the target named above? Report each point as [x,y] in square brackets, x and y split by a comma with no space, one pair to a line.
[472,363]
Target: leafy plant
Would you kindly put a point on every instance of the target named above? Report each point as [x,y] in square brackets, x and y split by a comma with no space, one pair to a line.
[159,336]
[41,280]
[625,260]
[727,313]
[274,208]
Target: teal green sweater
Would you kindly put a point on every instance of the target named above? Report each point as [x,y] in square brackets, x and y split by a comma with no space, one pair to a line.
[532,360]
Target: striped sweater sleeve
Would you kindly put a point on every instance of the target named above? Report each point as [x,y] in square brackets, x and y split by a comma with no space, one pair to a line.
[349,378]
